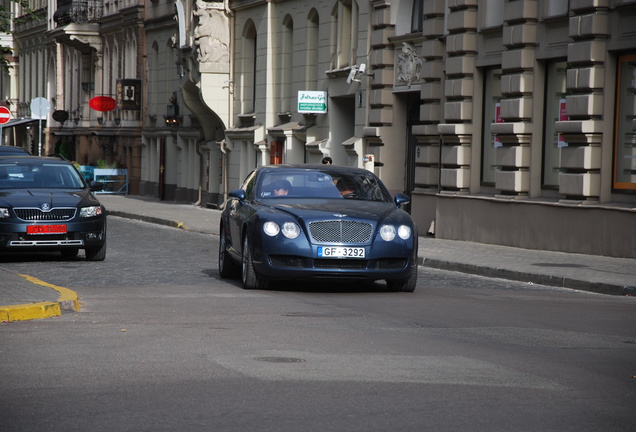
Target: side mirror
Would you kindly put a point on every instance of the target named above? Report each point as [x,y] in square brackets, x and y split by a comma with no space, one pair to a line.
[238,193]
[401,198]
[96,186]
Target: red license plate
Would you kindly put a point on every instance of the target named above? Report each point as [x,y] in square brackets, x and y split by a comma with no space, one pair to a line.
[46,229]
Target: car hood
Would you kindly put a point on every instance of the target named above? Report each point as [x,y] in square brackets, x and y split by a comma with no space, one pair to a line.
[337,209]
[51,197]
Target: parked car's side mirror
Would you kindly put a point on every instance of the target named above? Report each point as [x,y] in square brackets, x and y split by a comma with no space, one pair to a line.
[96,186]
[401,198]
[238,193]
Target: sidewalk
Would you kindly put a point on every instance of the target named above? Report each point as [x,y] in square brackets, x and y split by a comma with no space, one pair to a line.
[600,274]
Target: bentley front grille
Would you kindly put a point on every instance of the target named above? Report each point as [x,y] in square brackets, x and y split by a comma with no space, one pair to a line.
[340,231]
[59,214]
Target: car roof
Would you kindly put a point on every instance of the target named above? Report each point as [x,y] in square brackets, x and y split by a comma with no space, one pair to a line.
[313,167]
[34,160]
[12,150]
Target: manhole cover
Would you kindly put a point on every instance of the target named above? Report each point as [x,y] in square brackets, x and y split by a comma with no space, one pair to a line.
[280,359]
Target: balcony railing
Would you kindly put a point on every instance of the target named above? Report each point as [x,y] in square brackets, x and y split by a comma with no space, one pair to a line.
[78,12]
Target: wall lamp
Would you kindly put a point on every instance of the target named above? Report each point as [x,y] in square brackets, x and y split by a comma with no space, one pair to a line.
[88,86]
[100,120]
[117,121]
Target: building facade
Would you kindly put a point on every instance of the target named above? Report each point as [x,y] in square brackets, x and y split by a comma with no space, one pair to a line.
[506,121]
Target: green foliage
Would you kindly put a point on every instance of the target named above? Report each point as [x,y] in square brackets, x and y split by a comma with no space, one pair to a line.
[5,27]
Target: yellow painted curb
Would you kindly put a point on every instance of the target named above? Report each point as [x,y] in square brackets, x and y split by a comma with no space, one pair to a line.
[67,300]
[29,311]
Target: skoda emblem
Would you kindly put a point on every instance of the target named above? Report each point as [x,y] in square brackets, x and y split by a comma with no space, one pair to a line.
[45,207]
[339,215]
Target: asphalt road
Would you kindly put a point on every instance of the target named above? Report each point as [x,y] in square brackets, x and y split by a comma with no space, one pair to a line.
[162,343]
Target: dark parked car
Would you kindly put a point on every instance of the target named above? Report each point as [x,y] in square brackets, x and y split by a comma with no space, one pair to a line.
[6,150]
[317,222]
[45,204]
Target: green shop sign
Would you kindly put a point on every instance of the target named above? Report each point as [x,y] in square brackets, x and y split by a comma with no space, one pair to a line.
[312,102]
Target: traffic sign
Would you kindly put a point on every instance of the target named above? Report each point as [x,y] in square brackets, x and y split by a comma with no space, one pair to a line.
[5,115]
[40,108]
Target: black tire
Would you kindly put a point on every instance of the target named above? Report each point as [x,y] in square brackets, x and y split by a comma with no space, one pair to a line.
[96,253]
[249,277]
[403,285]
[69,253]
[227,267]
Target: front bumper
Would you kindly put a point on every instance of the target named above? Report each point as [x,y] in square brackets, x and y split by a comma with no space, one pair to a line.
[82,234]
[281,258]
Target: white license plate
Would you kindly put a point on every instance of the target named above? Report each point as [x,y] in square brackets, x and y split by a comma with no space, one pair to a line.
[340,252]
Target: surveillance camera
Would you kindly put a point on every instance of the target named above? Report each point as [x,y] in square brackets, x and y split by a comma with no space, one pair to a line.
[352,74]
[363,67]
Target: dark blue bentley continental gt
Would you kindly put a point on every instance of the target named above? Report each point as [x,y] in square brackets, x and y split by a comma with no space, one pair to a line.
[314,222]
[45,204]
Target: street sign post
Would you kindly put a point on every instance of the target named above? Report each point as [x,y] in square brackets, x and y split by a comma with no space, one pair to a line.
[5,116]
[40,108]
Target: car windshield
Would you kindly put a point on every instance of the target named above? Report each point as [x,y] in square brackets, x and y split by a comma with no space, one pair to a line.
[25,175]
[322,184]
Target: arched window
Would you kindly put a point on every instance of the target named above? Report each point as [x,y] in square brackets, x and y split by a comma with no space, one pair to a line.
[286,64]
[311,61]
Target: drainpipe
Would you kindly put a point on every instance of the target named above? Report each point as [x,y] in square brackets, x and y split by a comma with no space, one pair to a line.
[225,164]
[197,149]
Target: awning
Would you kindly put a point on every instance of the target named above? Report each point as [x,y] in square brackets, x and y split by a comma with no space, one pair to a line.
[316,143]
[17,122]
[292,126]
[351,141]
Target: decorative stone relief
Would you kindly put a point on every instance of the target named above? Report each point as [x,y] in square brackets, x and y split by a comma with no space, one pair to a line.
[212,32]
[409,65]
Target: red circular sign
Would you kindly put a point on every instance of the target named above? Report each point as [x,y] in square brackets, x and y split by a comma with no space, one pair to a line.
[5,115]
[102,103]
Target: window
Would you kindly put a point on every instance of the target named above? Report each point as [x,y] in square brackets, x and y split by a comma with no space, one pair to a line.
[625,135]
[494,13]
[248,70]
[556,8]
[344,34]
[554,112]
[417,16]
[492,98]
[311,61]
[286,64]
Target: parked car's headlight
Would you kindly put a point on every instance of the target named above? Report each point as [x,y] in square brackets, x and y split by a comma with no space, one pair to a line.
[387,232]
[91,211]
[4,212]
[291,230]
[404,232]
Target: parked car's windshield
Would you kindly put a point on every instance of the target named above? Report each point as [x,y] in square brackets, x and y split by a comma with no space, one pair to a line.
[322,184]
[38,176]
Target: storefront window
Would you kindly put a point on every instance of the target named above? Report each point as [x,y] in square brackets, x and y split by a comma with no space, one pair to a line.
[492,98]
[625,136]
[554,112]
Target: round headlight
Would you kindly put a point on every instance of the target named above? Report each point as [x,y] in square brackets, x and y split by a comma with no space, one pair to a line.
[387,232]
[291,230]
[404,232]
[271,228]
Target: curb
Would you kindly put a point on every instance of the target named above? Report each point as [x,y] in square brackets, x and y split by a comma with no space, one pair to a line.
[149,219]
[537,278]
[67,301]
